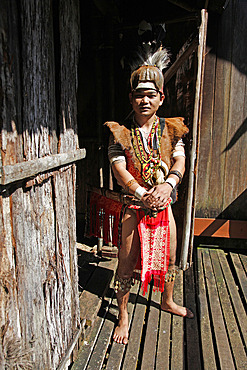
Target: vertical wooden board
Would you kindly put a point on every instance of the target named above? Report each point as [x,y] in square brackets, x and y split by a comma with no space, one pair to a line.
[28,210]
[208,355]
[192,335]
[73,259]
[132,352]
[9,313]
[10,85]
[242,131]
[69,33]
[206,144]
[237,347]
[64,189]
[222,343]
[149,350]
[221,116]
[236,142]
[39,110]
[177,345]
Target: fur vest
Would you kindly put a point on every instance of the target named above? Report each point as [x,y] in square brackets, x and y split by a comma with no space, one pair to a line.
[174,130]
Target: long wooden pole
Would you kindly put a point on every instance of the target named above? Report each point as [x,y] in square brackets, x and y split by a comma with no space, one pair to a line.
[187,239]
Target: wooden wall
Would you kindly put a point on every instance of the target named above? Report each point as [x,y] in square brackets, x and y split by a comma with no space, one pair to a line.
[222,172]
[39,308]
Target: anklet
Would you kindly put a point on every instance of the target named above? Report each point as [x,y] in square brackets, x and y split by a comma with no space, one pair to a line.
[171,275]
[122,285]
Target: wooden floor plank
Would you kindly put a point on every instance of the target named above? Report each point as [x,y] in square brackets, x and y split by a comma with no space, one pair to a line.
[91,337]
[222,343]
[241,275]
[103,340]
[117,351]
[91,298]
[238,307]
[177,338]
[243,259]
[163,351]
[229,317]
[149,351]
[208,355]
[191,327]
[221,328]
[132,352]
[98,356]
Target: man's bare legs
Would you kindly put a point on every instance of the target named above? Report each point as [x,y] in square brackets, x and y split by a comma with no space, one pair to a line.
[167,297]
[127,259]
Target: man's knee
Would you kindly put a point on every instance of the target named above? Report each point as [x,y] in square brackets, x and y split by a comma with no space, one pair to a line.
[126,267]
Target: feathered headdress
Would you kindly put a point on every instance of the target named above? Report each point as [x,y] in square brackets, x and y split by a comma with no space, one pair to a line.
[149,74]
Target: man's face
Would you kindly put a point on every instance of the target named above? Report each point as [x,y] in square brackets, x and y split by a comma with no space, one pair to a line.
[146,102]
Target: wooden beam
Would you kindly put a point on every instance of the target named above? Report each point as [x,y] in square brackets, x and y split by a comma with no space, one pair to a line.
[179,61]
[220,228]
[29,169]
[183,4]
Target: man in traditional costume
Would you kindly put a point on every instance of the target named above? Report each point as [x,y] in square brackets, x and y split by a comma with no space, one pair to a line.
[148,160]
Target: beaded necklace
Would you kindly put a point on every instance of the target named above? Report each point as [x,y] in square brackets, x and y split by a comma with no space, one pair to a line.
[145,158]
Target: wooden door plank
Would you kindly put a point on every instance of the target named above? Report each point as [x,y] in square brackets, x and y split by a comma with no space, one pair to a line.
[236,148]
[205,162]
[149,351]
[177,344]
[240,312]
[132,352]
[192,335]
[220,117]
[208,355]
[117,350]
[163,351]
[241,275]
[222,343]
[232,327]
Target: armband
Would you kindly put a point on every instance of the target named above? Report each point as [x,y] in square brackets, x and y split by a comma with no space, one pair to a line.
[140,191]
[176,173]
[178,153]
[171,182]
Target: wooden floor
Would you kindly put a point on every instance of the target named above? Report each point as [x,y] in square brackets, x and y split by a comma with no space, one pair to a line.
[215,288]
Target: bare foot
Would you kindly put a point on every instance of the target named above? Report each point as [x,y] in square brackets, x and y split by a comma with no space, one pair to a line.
[177,310]
[121,332]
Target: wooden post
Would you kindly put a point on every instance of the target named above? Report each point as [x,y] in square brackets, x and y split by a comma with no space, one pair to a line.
[187,239]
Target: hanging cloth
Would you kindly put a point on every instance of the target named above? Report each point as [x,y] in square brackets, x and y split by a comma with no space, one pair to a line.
[154,233]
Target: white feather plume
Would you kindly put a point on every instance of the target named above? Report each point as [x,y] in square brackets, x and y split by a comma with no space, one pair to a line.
[160,58]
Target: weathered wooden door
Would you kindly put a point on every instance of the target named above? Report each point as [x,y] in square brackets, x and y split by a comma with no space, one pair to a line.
[39,307]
